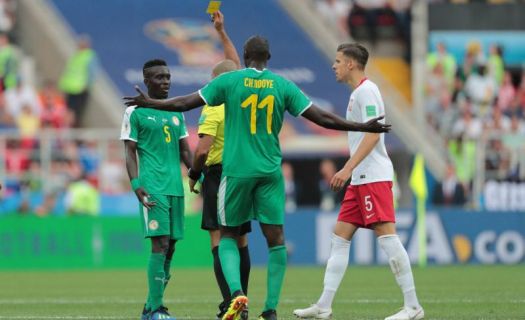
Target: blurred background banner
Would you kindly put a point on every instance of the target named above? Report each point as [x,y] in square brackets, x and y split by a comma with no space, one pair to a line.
[453,237]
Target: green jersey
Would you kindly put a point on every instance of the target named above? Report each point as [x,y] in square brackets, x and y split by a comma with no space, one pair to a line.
[255,102]
[157,134]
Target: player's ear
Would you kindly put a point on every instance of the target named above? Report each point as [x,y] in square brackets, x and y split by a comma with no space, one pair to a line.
[269,56]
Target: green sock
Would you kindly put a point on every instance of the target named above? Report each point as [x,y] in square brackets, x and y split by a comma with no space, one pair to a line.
[156,277]
[275,277]
[167,264]
[230,262]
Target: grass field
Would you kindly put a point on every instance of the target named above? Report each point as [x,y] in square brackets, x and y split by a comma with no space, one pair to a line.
[461,292]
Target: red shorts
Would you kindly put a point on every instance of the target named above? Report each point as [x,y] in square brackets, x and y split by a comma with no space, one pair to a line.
[367,204]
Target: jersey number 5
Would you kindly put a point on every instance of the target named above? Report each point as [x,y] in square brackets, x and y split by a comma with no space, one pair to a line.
[253,101]
[167,133]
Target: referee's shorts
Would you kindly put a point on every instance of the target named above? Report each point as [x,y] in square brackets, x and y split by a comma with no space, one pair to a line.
[210,189]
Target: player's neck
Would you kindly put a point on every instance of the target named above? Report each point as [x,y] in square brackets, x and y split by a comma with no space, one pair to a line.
[154,96]
[257,65]
[356,79]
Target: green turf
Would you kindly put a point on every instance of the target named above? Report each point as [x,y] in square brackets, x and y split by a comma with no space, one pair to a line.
[461,292]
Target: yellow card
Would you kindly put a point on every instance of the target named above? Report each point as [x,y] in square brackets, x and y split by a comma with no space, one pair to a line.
[213,7]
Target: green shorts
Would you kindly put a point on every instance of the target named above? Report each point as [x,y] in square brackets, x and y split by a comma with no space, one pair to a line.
[166,218]
[245,199]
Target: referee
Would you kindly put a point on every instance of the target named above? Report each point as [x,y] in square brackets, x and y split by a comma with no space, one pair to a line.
[208,159]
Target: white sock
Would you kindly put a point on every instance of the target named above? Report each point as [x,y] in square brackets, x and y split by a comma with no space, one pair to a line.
[400,265]
[335,270]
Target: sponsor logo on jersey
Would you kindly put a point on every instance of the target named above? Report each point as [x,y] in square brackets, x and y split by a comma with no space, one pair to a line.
[363,176]
[350,104]
[175,120]
[368,216]
[153,225]
[164,120]
[152,118]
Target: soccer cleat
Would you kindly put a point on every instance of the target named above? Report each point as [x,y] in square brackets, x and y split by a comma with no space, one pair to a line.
[161,314]
[244,314]
[145,314]
[313,312]
[408,314]
[237,306]
[268,315]
[223,307]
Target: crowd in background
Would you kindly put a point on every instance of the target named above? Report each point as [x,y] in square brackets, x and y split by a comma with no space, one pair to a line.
[27,109]
[479,99]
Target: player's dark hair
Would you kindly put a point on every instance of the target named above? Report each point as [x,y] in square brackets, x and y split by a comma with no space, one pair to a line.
[257,48]
[356,52]
[153,63]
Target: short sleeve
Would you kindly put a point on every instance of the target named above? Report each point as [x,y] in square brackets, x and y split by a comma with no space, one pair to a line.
[296,101]
[183,133]
[210,120]
[370,105]
[130,125]
[214,93]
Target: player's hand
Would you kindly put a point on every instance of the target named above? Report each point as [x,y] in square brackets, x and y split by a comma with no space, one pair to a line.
[218,21]
[192,184]
[375,126]
[143,197]
[141,100]
[339,179]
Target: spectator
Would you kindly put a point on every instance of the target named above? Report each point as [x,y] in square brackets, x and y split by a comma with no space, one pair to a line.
[8,63]
[498,122]
[468,126]
[6,119]
[401,9]
[446,60]
[496,67]
[58,180]
[447,116]
[54,112]
[7,17]
[463,155]
[506,93]
[289,187]
[28,125]
[370,9]
[327,169]
[481,89]
[78,77]
[22,95]
[449,191]
[519,99]
[82,198]
[435,86]
[335,12]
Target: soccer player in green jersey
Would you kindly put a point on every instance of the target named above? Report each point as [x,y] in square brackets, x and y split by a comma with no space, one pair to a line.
[159,139]
[252,185]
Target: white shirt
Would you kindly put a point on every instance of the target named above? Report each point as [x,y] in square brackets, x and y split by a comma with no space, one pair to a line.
[365,104]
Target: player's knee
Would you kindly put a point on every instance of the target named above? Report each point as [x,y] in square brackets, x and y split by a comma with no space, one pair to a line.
[160,245]
[275,239]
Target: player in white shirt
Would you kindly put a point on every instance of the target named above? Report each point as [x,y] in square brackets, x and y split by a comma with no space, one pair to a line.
[368,201]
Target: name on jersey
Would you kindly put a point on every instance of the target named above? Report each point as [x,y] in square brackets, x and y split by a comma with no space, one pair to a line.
[258,83]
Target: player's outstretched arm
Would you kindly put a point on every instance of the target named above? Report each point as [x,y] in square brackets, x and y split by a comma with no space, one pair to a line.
[177,104]
[329,120]
[230,52]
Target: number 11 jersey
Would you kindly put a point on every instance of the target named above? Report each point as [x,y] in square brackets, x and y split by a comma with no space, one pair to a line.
[255,102]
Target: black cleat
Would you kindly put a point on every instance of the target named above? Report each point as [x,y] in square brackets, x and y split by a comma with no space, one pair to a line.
[145,314]
[223,307]
[244,314]
[268,315]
